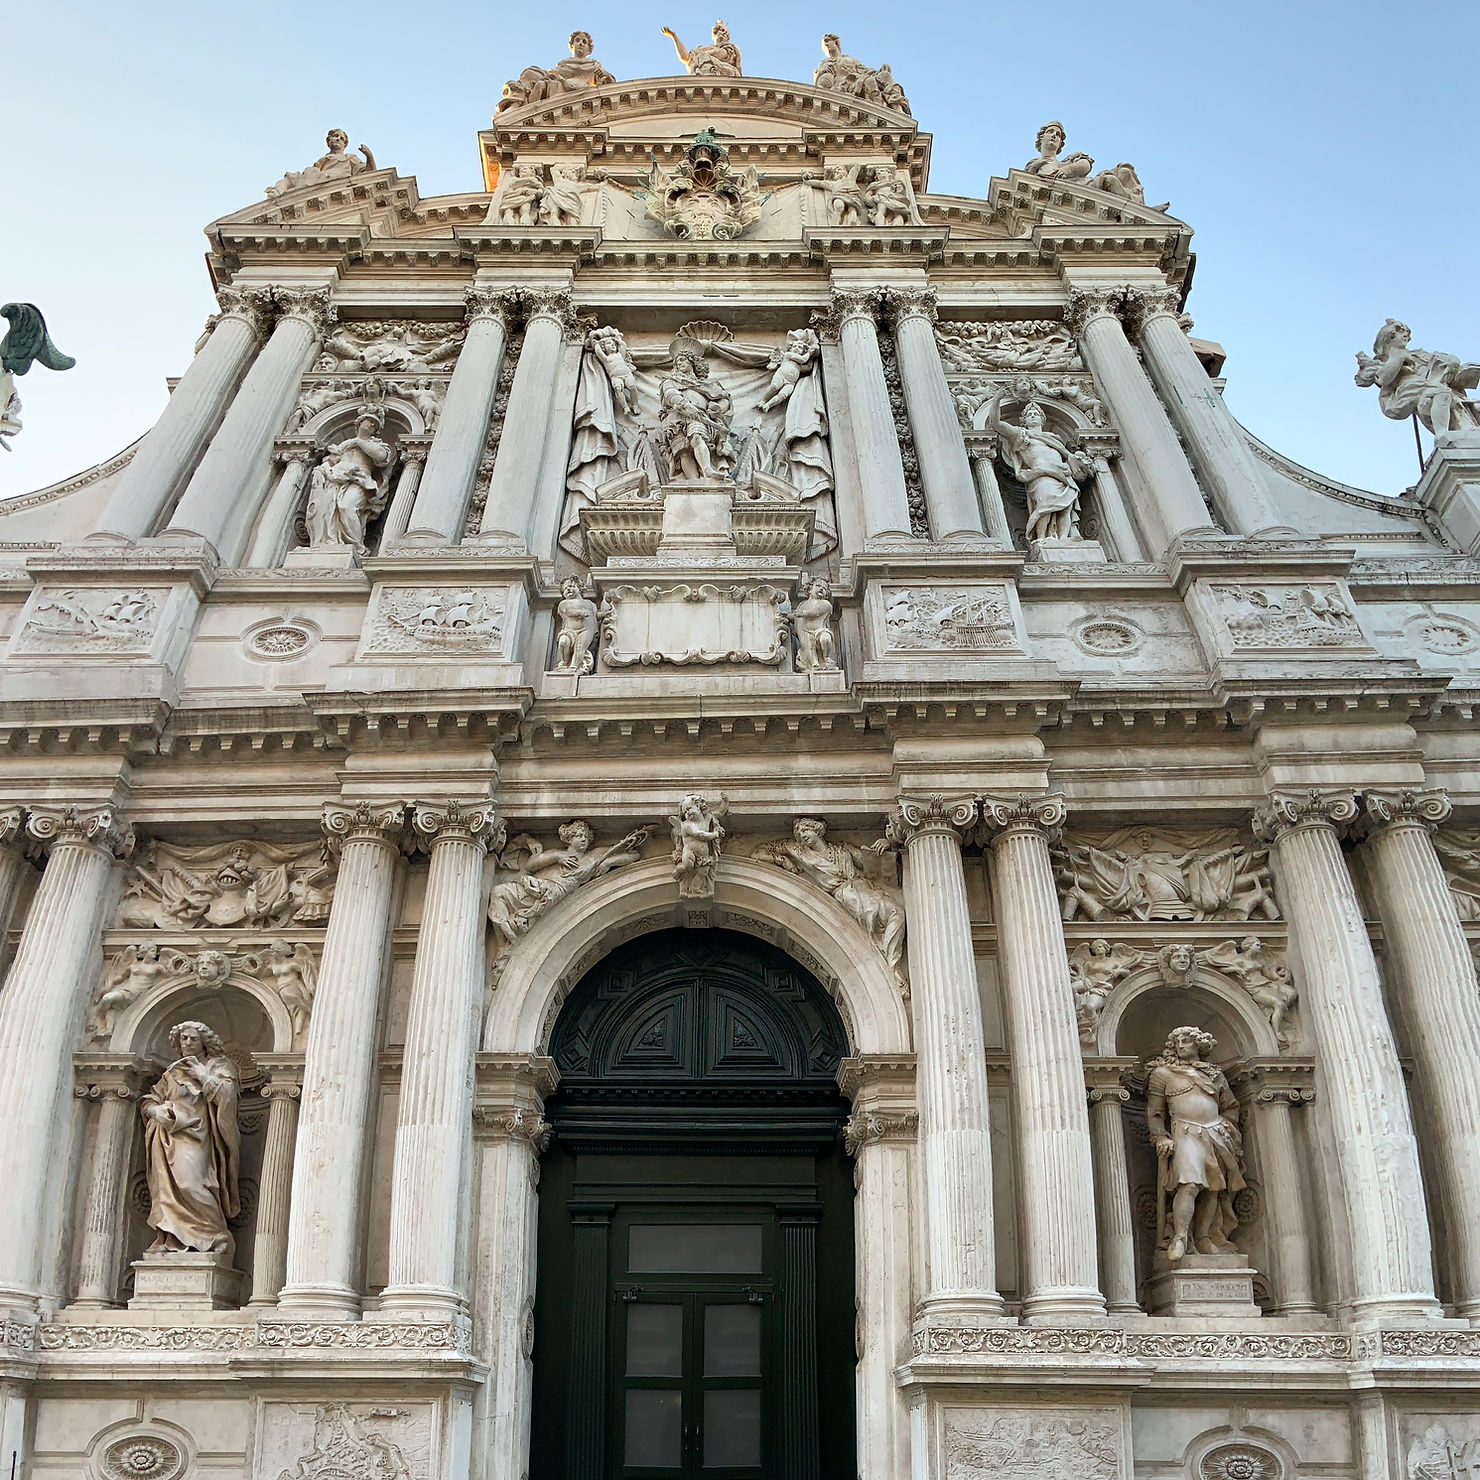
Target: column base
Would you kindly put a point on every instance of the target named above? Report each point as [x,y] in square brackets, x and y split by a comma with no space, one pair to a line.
[1068,1306]
[418,1303]
[1202,1285]
[315,1303]
[1396,1310]
[189,1280]
[961,1309]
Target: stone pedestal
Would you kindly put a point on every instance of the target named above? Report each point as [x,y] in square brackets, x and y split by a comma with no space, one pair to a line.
[186,1281]
[1450,486]
[1067,552]
[320,557]
[1202,1285]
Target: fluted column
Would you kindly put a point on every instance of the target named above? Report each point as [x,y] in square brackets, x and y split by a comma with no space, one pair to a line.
[1124,542]
[1432,980]
[115,1085]
[1273,1087]
[41,1010]
[172,447]
[1170,502]
[325,1220]
[945,470]
[1055,1167]
[521,444]
[886,505]
[270,541]
[462,429]
[283,1091]
[1376,1154]
[398,515]
[951,1066]
[220,503]
[880,1136]
[435,1119]
[1107,1093]
[13,871]
[1219,449]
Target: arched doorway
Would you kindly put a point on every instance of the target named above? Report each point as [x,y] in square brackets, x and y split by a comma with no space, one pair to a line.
[694,1310]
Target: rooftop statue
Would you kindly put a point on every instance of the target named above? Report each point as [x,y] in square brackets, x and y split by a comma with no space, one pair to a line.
[1122,181]
[337,164]
[845,74]
[540,84]
[26,341]
[1417,382]
[722,59]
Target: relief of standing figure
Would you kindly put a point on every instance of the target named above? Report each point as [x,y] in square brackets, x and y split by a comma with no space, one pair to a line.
[697,838]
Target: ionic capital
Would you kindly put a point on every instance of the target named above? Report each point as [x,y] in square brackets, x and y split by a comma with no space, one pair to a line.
[252,305]
[450,821]
[1088,304]
[370,822]
[1142,304]
[111,1077]
[1286,811]
[1428,808]
[309,306]
[13,828]
[919,817]
[1032,814]
[96,827]
[909,303]
[281,1089]
[499,304]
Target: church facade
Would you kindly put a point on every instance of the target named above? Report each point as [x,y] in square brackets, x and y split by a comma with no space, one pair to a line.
[702,813]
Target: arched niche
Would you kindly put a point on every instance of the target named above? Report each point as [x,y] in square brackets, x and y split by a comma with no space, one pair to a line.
[402,419]
[242,1010]
[1144,1009]
[753,898]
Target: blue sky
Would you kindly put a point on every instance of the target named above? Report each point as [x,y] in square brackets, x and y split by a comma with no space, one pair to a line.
[1324,153]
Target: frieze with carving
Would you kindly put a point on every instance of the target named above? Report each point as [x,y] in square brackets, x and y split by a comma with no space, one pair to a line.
[948,619]
[248,884]
[91,620]
[344,1446]
[1032,1443]
[1012,345]
[1309,616]
[433,620]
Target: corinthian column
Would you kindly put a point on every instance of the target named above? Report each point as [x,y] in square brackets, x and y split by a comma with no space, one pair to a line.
[398,515]
[951,1065]
[325,1222]
[1168,500]
[115,1085]
[886,505]
[521,444]
[1219,450]
[1376,1154]
[220,502]
[462,429]
[172,447]
[434,1125]
[945,470]
[1431,978]
[1107,1093]
[275,1183]
[41,1013]
[1055,1167]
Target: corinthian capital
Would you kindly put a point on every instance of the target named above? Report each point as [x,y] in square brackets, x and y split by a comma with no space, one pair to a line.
[1039,814]
[549,303]
[1428,808]
[1145,303]
[1088,304]
[513,1123]
[99,827]
[909,303]
[453,821]
[309,305]
[253,305]
[856,303]
[920,816]
[1287,810]
[374,822]
[499,304]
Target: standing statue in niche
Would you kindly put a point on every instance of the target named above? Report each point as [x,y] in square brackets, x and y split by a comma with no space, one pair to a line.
[337,164]
[1191,1115]
[1045,466]
[1418,382]
[540,84]
[811,620]
[695,418]
[349,486]
[577,625]
[192,1145]
[721,59]
[698,835]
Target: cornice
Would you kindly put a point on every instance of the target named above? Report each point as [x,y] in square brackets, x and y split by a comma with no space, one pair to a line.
[114,464]
[408,719]
[572,244]
[911,244]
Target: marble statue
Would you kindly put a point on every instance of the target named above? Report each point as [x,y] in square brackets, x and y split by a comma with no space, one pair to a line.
[704,197]
[790,364]
[1418,382]
[131,972]
[721,59]
[520,193]
[349,487]
[1049,143]
[698,835]
[561,202]
[576,628]
[1459,852]
[379,345]
[610,350]
[1122,181]
[846,203]
[1262,974]
[192,1145]
[26,343]
[844,74]
[1191,1114]
[811,620]
[694,419]
[337,164]
[886,197]
[295,976]
[1095,967]
[541,876]
[540,84]
[1046,467]
[853,876]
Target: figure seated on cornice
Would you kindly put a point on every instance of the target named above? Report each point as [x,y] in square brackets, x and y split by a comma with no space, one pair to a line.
[337,164]
[722,59]
[1049,143]
[540,84]
[1418,382]
[845,74]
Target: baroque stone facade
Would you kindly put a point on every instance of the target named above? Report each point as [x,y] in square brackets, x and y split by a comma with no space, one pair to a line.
[656,585]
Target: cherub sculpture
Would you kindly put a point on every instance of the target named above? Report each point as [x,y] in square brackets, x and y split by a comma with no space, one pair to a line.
[790,364]
[575,638]
[698,835]
[1261,973]
[812,622]
[611,352]
[131,972]
[1418,382]
[1095,966]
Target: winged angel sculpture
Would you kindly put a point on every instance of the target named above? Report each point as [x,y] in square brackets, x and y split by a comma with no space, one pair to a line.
[26,342]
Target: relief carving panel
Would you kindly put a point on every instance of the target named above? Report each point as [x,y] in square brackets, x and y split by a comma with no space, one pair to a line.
[1033,1444]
